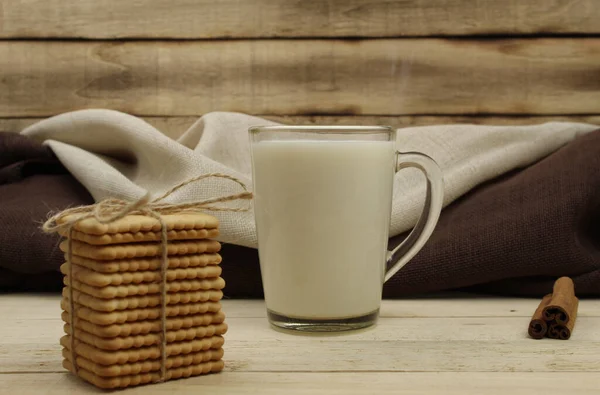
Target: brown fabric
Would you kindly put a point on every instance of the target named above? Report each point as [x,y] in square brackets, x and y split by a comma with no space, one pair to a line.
[21,157]
[32,183]
[513,236]
[518,234]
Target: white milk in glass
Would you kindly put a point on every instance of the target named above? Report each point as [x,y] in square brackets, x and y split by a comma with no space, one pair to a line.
[322,213]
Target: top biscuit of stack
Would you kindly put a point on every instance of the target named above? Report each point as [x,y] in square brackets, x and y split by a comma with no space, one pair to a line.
[139,228]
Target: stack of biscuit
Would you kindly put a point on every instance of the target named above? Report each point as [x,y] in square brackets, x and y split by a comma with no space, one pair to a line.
[115,282]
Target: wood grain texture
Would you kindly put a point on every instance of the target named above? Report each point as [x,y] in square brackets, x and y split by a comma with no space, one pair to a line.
[174,127]
[342,383]
[452,334]
[339,354]
[297,18]
[445,344]
[460,329]
[303,77]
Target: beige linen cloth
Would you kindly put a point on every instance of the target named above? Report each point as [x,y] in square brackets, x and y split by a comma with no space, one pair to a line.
[118,155]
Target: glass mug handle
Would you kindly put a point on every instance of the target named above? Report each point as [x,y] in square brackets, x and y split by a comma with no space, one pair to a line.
[434,201]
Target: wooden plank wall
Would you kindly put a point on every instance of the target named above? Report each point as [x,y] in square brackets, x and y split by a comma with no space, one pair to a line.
[395,62]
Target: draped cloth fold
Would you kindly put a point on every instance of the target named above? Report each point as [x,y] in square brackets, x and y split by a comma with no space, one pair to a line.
[118,155]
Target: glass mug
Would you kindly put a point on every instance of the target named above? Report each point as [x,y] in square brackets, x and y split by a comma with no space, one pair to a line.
[322,206]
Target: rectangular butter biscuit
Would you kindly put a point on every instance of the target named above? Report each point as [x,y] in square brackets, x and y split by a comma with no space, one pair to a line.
[146,264]
[139,250]
[145,378]
[151,365]
[147,326]
[96,279]
[142,223]
[140,237]
[141,314]
[129,290]
[151,339]
[103,357]
[140,302]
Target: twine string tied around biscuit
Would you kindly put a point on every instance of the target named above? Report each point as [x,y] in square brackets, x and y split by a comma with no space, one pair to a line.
[112,209]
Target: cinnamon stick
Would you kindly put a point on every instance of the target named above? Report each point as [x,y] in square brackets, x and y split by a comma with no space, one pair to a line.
[563,306]
[556,314]
[553,331]
[563,332]
[537,326]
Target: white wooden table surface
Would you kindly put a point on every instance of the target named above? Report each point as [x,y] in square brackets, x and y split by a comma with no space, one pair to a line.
[420,346]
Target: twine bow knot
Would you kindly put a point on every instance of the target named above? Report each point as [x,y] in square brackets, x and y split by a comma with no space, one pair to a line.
[111,210]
